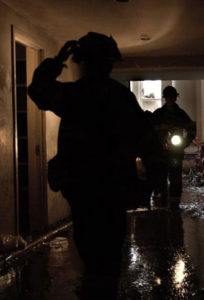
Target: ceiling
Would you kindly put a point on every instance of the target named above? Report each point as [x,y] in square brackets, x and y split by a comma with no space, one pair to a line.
[175,27]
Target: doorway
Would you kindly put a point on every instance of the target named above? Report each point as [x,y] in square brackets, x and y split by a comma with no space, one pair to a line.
[29,145]
[148,93]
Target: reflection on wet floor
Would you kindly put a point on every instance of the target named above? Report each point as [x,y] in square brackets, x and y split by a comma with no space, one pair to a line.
[193,201]
[163,259]
[157,265]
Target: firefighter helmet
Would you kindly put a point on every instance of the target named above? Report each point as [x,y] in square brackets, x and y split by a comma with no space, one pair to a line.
[97,47]
[170,91]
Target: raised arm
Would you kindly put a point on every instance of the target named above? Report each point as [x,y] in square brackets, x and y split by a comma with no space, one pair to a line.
[45,90]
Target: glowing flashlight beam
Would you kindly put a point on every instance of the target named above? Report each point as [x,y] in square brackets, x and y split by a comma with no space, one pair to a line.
[176,140]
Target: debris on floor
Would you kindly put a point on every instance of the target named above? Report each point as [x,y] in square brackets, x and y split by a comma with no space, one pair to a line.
[9,243]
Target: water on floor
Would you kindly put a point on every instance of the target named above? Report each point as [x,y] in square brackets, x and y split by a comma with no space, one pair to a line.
[163,258]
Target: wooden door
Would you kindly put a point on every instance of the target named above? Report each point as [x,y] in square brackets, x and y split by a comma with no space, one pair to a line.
[36,152]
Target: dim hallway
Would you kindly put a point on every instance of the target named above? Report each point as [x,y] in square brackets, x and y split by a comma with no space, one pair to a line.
[163,257]
[163,253]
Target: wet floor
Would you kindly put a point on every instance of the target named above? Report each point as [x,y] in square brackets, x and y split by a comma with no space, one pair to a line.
[163,258]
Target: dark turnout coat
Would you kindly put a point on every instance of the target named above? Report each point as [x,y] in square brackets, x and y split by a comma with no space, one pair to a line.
[174,121]
[102,129]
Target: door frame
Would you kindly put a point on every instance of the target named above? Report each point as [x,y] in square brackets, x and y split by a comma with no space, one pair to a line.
[17,35]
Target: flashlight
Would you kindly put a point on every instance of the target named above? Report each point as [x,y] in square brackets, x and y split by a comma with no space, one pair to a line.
[176,140]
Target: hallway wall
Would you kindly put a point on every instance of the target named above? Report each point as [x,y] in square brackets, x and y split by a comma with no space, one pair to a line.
[200,109]
[57,206]
[187,99]
[191,99]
